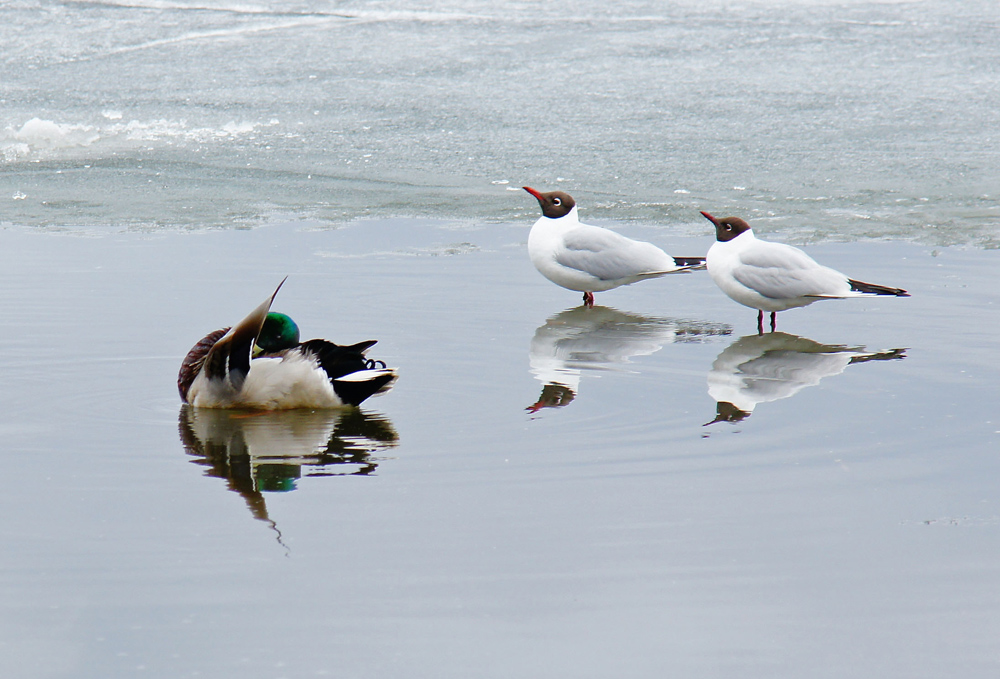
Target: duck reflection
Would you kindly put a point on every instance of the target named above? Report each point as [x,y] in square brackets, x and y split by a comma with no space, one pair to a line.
[763,368]
[597,339]
[259,452]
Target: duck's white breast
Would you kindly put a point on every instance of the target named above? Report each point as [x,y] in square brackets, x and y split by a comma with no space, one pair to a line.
[273,383]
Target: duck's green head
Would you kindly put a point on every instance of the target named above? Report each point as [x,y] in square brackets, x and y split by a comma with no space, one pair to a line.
[278,333]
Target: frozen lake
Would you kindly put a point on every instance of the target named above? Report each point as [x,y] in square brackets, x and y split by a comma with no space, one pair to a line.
[822,120]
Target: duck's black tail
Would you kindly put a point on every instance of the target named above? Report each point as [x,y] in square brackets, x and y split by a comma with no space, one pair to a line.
[872,289]
[355,388]
[354,377]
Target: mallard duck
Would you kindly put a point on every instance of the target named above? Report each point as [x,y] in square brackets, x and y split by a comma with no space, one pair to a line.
[260,363]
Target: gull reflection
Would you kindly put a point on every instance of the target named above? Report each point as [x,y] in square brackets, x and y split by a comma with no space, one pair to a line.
[763,368]
[258,452]
[600,339]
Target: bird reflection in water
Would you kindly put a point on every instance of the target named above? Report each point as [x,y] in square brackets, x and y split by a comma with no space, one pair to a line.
[601,339]
[763,368]
[257,452]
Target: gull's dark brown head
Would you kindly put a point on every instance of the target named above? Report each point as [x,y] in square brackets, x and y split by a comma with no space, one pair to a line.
[727,228]
[555,204]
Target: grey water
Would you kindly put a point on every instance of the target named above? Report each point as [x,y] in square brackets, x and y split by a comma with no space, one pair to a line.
[646,488]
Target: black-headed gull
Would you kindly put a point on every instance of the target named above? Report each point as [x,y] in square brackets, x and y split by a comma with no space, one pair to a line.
[261,364]
[773,276]
[592,259]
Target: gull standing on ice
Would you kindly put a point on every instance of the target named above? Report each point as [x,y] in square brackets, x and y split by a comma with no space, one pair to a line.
[592,259]
[774,276]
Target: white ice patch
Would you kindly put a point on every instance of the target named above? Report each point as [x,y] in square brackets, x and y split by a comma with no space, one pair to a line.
[40,139]
[235,129]
[43,134]
[12,151]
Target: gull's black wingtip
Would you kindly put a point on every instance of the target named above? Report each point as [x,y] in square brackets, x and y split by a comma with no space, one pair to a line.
[872,289]
[689,261]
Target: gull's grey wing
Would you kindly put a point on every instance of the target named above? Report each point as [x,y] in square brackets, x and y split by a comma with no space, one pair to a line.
[610,256]
[780,271]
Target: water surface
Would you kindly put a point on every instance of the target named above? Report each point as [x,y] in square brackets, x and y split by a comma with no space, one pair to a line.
[447,529]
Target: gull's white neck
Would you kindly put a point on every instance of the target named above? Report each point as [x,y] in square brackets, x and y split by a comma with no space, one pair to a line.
[571,218]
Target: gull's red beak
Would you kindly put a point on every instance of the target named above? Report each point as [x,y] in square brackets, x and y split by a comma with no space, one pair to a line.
[710,218]
[530,190]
